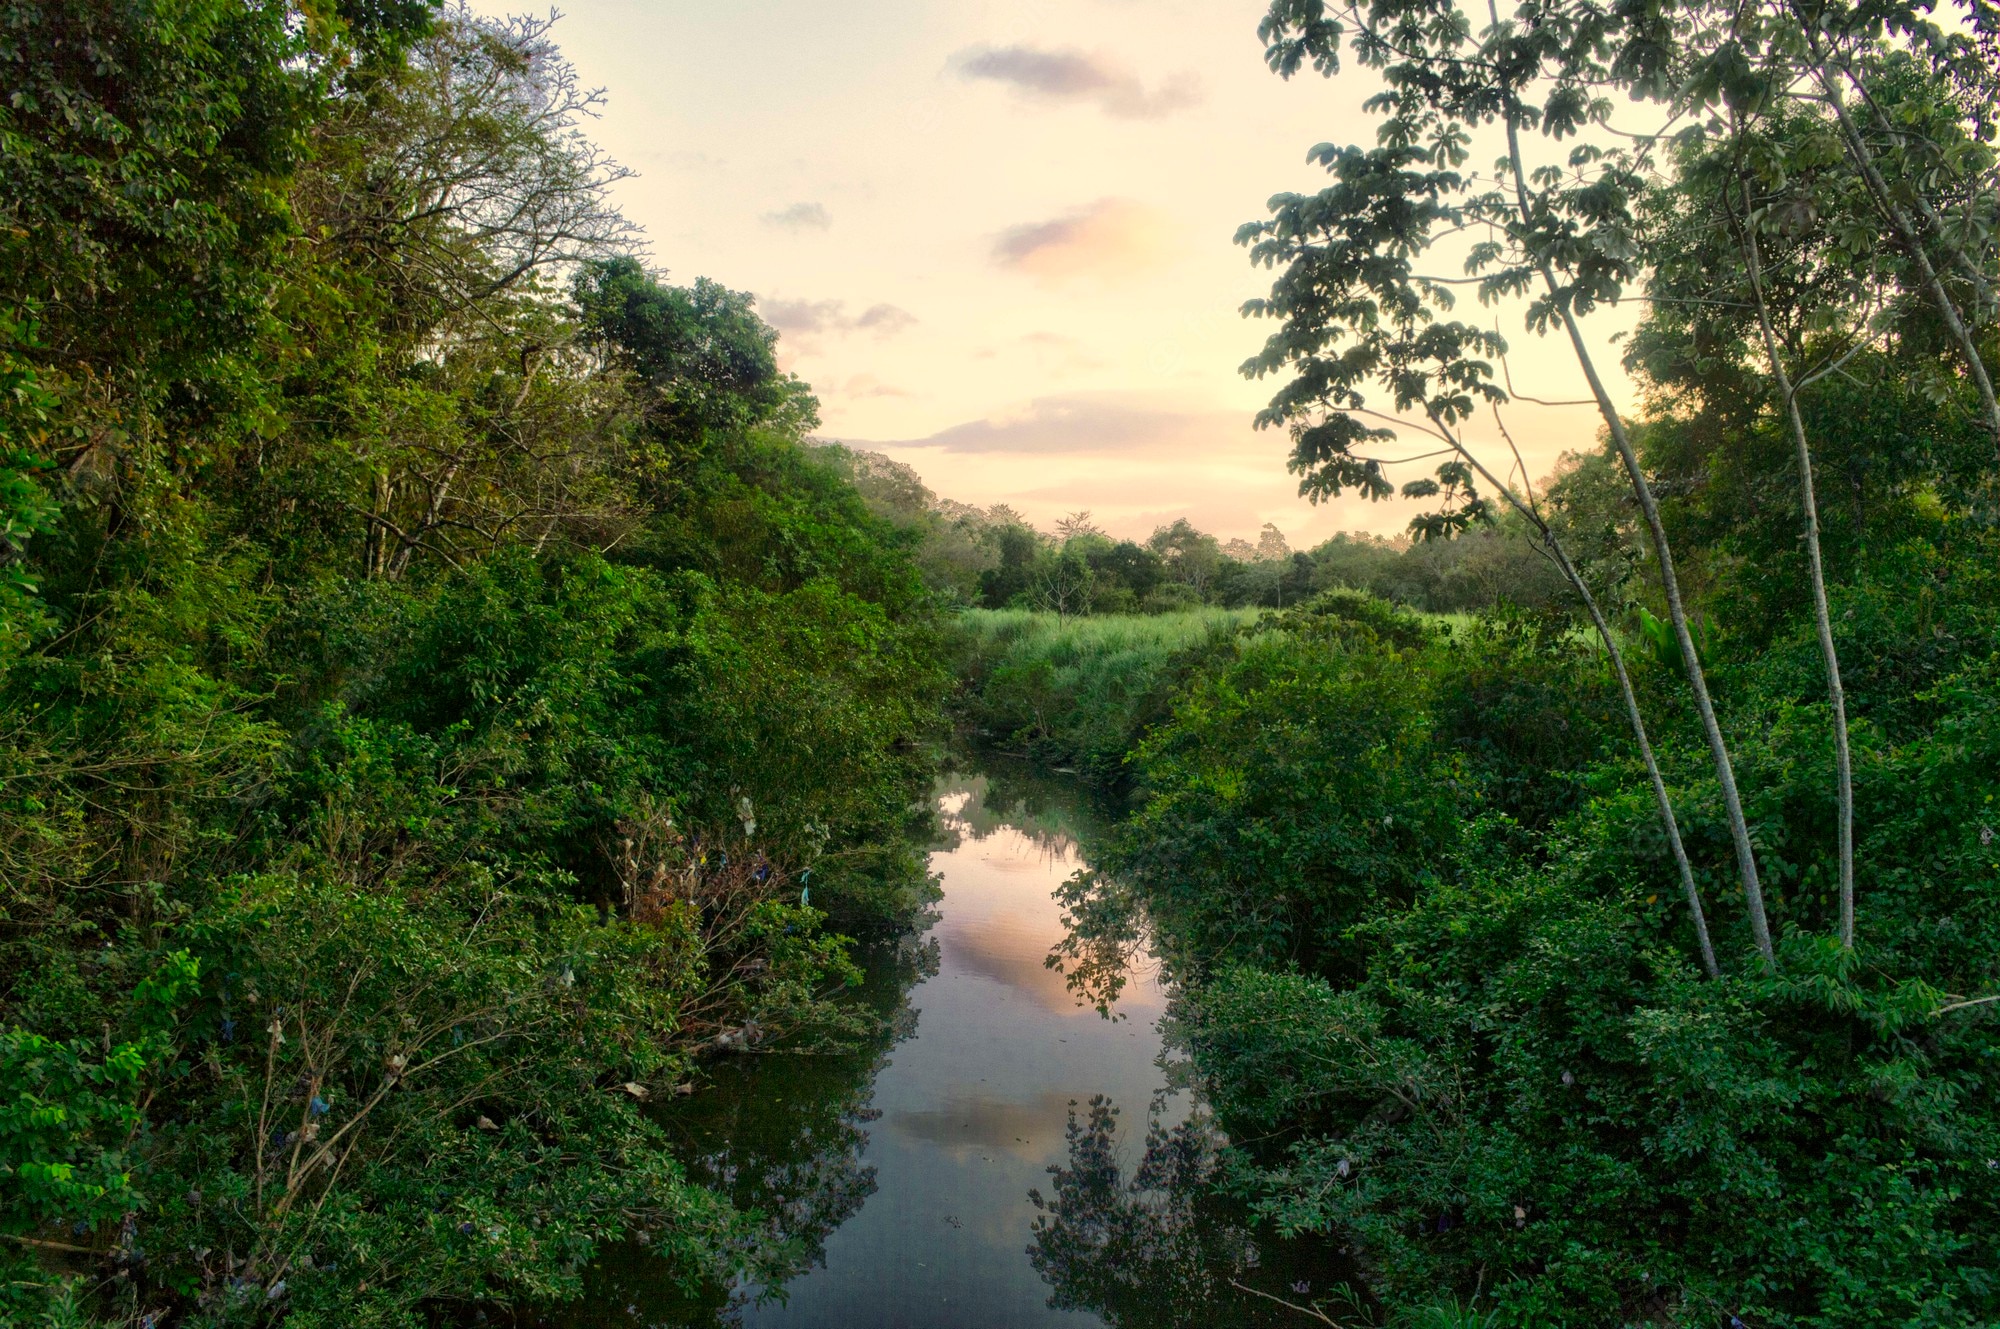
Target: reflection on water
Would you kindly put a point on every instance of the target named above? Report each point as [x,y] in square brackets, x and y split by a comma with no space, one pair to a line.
[901,1184]
[1155,1247]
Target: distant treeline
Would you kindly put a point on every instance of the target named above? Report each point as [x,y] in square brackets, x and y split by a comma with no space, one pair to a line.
[994,558]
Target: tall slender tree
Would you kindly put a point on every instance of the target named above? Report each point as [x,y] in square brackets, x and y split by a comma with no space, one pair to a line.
[1359,315]
[1566,236]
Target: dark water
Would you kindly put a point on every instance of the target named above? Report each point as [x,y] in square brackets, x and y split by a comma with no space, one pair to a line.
[987,1161]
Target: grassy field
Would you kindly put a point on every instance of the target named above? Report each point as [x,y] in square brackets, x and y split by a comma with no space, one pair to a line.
[1079,691]
[1102,636]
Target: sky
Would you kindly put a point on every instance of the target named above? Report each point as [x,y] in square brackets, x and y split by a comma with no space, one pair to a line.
[997,237]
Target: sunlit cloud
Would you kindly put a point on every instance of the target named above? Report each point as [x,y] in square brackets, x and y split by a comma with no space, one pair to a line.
[885,320]
[1111,239]
[805,322]
[1090,423]
[1074,76]
[801,217]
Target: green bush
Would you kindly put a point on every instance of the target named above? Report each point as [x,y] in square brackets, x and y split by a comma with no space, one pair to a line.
[1267,842]
[444,693]
[359,1102]
[1438,984]
[1079,691]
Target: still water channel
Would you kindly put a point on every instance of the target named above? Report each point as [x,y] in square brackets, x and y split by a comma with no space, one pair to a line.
[899,1181]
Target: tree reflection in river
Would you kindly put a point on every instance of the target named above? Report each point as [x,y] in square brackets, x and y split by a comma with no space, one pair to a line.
[924,1224]
[1055,811]
[1160,1249]
[783,1136]
[1105,939]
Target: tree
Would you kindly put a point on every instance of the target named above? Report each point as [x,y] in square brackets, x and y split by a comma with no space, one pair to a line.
[1018,547]
[1783,190]
[1063,584]
[707,360]
[1131,567]
[1356,305]
[1077,526]
[1765,192]
[1922,145]
[1190,556]
[350,917]
[462,171]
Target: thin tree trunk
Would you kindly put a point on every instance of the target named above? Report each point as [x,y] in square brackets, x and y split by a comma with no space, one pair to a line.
[1982,283]
[1822,617]
[1739,829]
[1661,800]
[408,541]
[372,547]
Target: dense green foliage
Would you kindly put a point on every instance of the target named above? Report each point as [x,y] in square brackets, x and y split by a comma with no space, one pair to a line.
[435,672]
[444,694]
[1078,692]
[1438,977]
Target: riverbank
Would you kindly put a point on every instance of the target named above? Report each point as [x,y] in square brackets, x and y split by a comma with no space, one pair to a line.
[1002,1154]
[1077,692]
[1439,983]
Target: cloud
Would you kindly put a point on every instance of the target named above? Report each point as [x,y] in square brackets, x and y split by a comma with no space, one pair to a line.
[1093,423]
[1074,76]
[885,320]
[806,316]
[801,217]
[1139,460]
[1110,239]
[806,321]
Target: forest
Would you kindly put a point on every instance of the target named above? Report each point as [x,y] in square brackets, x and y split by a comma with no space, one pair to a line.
[442,693]
[1623,954]
[452,694]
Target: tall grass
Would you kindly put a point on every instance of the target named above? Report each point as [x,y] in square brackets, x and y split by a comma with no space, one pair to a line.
[1077,638]
[1079,691]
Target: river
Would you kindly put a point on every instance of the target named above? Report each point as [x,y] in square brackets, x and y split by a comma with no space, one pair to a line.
[974,1166]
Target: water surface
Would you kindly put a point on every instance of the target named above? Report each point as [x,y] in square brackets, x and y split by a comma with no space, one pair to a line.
[974,1107]
[977,1165]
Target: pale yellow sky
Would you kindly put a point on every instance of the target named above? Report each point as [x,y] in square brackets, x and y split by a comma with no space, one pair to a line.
[997,237]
